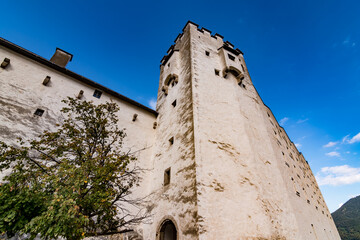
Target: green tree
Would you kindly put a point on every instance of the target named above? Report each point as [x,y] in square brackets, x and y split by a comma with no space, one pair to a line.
[73,182]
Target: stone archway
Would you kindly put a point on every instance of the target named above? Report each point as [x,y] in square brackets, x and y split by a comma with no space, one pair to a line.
[167,231]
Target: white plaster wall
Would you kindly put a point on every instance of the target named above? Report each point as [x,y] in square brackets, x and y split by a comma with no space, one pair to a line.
[243,186]
[176,201]
[22,92]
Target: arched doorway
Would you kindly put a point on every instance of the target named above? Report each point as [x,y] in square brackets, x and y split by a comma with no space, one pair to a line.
[168,231]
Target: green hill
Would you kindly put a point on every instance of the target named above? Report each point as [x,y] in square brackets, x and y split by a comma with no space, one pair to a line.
[347,219]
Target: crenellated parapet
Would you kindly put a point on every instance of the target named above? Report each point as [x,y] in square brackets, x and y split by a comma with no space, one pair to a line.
[227,45]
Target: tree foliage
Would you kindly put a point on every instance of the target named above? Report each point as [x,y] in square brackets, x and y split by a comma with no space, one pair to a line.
[73,182]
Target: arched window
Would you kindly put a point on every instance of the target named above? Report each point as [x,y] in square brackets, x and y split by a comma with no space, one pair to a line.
[235,72]
[167,231]
[171,79]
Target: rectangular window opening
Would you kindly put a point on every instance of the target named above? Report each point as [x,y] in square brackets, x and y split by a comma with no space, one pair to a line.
[231,57]
[171,140]
[39,112]
[217,72]
[167,173]
[207,53]
[174,103]
[97,94]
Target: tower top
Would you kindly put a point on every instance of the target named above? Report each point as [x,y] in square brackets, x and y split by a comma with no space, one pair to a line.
[227,45]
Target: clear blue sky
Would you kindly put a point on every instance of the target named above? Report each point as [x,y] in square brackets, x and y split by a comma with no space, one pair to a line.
[303,57]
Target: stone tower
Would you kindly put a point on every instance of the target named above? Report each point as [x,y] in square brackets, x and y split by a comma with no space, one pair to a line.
[223,167]
[219,165]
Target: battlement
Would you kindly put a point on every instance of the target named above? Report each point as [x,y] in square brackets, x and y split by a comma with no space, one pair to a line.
[227,45]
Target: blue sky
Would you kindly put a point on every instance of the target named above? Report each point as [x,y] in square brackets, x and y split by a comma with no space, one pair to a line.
[303,57]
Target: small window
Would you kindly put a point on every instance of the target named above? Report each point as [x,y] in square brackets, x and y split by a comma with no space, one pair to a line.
[167,176]
[207,53]
[231,57]
[243,68]
[298,194]
[134,117]
[168,64]
[97,94]
[171,140]
[174,103]
[308,201]
[217,72]
[39,112]
[46,80]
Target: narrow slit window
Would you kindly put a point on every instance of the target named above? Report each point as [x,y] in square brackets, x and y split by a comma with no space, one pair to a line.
[298,194]
[171,140]
[207,53]
[97,93]
[231,57]
[217,72]
[39,112]
[174,103]
[134,117]
[167,174]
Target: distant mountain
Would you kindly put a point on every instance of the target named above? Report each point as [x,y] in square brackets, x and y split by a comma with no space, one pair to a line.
[347,219]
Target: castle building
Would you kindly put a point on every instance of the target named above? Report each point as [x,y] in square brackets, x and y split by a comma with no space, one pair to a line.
[220,165]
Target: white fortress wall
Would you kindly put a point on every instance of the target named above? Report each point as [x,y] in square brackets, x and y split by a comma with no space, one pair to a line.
[22,92]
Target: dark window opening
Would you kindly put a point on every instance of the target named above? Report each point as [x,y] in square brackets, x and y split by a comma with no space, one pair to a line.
[243,85]
[207,53]
[46,80]
[39,112]
[81,93]
[134,117]
[167,176]
[231,57]
[242,67]
[298,194]
[5,63]
[308,201]
[217,72]
[97,94]
[174,103]
[171,140]
[168,64]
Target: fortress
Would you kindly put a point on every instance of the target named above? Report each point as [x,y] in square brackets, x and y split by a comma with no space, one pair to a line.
[220,165]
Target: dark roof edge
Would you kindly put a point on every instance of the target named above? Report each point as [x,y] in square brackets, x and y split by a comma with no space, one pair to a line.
[83,79]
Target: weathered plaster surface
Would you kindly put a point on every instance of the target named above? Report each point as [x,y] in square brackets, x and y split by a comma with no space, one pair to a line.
[235,174]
